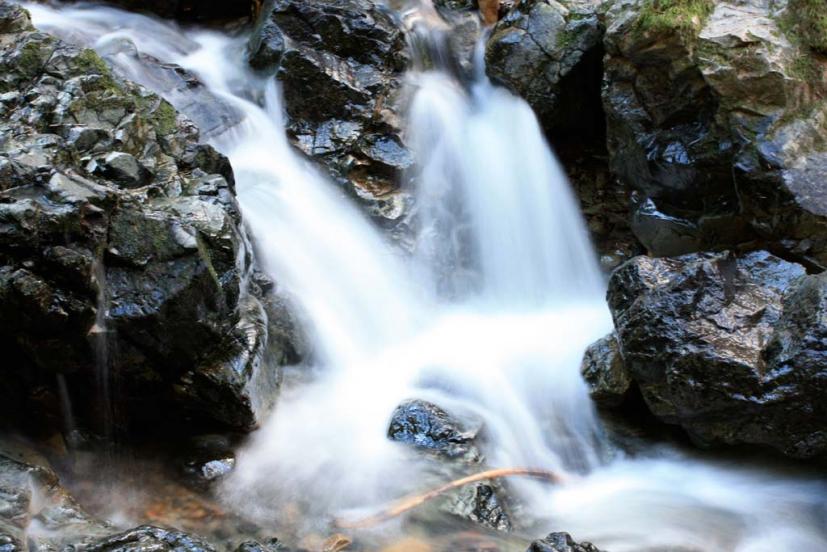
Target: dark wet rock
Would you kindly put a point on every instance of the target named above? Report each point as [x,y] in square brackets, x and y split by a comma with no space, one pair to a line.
[536,50]
[147,537]
[121,244]
[425,425]
[192,10]
[31,496]
[560,542]
[716,118]
[452,442]
[483,503]
[728,347]
[209,458]
[605,373]
[252,546]
[340,64]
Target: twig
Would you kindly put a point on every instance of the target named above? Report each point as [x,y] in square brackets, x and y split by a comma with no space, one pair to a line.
[411,502]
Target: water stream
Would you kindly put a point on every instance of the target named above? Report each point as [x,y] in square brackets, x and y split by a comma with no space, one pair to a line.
[489,316]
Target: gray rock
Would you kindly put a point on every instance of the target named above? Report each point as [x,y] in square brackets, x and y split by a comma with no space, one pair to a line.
[561,542]
[728,347]
[139,262]
[425,425]
[340,64]
[605,373]
[148,538]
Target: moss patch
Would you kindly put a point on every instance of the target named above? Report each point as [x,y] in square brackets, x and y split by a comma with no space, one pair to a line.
[805,22]
[684,17]
[165,119]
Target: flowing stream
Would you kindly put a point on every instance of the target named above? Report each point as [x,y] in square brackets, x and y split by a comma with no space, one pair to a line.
[488,318]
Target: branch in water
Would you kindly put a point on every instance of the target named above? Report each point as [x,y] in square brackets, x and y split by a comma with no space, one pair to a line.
[411,502]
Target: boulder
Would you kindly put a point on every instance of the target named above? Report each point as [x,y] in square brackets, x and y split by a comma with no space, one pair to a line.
[560,542]
[124,267]
[715,119]
[340,64]
[727,346]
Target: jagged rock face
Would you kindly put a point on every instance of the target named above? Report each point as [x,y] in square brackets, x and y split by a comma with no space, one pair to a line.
[340,64]
[152,538]
[122,256]
[192,10]
[730,348]
[716,119]
[560,542]
[454,442]
[537,51]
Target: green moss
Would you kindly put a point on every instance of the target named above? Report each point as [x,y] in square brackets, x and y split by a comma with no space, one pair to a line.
[165,119]
[88,62]
[805,22]
[565,38]
[684,17]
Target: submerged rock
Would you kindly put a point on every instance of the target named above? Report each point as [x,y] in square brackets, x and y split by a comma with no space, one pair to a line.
[538,51]
[426,426]
[560,542]
[36,512]
[147,537]
[729,347]
[340,64]
[121,245]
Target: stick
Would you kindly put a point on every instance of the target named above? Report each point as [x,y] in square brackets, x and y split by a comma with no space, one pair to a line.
[411,502]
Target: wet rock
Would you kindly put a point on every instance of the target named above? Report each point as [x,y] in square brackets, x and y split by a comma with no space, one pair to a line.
[713,110]
[426,426]
[192,10]
[121,244]
[209,458]
[340,64]
[561,542]
[725,345]
[484,504]
[605,373]
[152,538]
[534,51]
[36,513]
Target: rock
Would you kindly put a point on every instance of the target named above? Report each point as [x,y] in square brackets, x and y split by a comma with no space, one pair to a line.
[193,10]
[340,64]
[713,116]
[209,458]
[605,373]
[724,345]
[484,504]
[36,513]
[560,542]
[121,244]
[545,51]
[147,537]
[424,425]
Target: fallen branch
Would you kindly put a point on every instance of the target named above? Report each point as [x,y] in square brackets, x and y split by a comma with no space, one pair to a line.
[411,502]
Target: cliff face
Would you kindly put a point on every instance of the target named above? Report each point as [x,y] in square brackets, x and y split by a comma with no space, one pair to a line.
[126,275]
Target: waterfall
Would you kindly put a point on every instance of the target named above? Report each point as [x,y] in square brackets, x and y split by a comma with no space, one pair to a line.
[489,316]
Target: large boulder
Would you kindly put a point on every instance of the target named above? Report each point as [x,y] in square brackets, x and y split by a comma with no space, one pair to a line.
[731,348]
[715,118]
[124,269]
[340,64]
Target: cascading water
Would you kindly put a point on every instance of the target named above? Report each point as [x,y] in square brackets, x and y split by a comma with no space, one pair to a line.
[502,338]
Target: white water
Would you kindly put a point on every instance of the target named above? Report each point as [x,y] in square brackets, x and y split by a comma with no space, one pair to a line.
[501,338]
